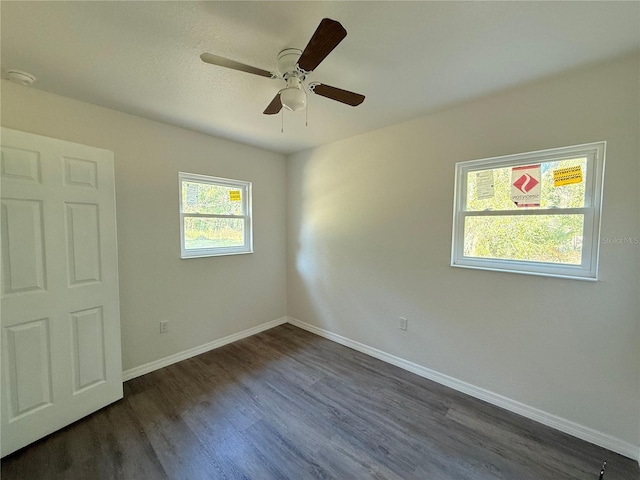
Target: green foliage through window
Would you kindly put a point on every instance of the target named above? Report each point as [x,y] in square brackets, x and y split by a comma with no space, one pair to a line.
[539,238]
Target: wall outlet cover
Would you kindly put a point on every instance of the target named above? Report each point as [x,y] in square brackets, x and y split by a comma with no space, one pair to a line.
[403,324]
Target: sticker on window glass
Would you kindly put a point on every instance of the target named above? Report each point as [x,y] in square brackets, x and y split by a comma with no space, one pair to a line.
[525,186]
[567,176]
[234,195]
[192,194]
[484,181]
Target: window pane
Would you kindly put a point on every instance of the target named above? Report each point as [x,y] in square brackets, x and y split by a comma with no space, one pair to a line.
[570,178]
[534,238]
[213,232]
[211,199]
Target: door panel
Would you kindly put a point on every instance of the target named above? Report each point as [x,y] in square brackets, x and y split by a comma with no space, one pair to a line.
[20,164]
[80,172]
[88,348]
[23,246]
[83,245]
[60,308]
[28,349]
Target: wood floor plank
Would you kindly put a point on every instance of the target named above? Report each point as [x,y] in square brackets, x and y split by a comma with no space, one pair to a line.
[287,404]
[344,460]
[123,445]
[180,452]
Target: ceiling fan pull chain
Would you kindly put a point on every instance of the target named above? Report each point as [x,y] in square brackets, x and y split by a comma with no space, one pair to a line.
[282,121]
[306,116]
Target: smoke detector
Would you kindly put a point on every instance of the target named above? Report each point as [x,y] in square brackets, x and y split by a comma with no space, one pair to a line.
[18,76]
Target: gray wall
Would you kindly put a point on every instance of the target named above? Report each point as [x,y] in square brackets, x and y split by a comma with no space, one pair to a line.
[369,240]
[203,298]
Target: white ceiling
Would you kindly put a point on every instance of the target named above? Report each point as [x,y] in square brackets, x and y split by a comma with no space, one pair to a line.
[408,58]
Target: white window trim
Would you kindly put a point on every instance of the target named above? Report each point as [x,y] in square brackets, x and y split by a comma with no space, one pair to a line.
[245,187]
[588,269]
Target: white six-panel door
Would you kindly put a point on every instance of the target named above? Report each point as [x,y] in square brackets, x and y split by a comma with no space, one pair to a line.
[60,314]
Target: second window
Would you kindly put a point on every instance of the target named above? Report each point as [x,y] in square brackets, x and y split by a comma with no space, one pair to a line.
[215,216]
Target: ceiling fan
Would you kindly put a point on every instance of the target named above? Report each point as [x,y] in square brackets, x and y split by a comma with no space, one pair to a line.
[293,67]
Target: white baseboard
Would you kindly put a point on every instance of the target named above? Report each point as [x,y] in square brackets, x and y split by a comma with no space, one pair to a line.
[192,352]
[567,426]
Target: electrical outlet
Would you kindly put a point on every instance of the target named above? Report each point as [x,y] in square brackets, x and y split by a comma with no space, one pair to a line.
[164,326]
[403,324]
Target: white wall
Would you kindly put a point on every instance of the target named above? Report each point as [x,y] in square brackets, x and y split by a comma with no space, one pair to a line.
[204,299]
[369,240]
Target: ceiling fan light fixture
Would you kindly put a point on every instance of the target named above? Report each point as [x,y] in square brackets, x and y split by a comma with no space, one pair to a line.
[293,98]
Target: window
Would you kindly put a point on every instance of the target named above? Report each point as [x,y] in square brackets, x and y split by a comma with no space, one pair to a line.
[536,213]
[215,216]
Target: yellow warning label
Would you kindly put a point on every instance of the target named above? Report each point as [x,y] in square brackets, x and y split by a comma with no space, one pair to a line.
[567,176]
[234,195]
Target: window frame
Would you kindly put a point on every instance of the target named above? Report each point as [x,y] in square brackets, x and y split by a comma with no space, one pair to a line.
[245,187]
[588,269]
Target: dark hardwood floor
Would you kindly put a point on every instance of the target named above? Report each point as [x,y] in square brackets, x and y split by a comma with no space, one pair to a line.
[286,404]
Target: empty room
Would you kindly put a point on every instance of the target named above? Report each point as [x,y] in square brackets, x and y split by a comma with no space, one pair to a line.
[320,240]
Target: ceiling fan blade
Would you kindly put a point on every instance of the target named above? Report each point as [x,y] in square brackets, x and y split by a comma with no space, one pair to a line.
[225,62]
[275,106]
[338,94]
[326,37]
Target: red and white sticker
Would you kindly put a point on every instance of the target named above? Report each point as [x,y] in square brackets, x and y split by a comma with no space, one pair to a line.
[525,186]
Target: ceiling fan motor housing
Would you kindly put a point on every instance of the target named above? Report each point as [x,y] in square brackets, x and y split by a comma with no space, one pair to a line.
[288,60]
